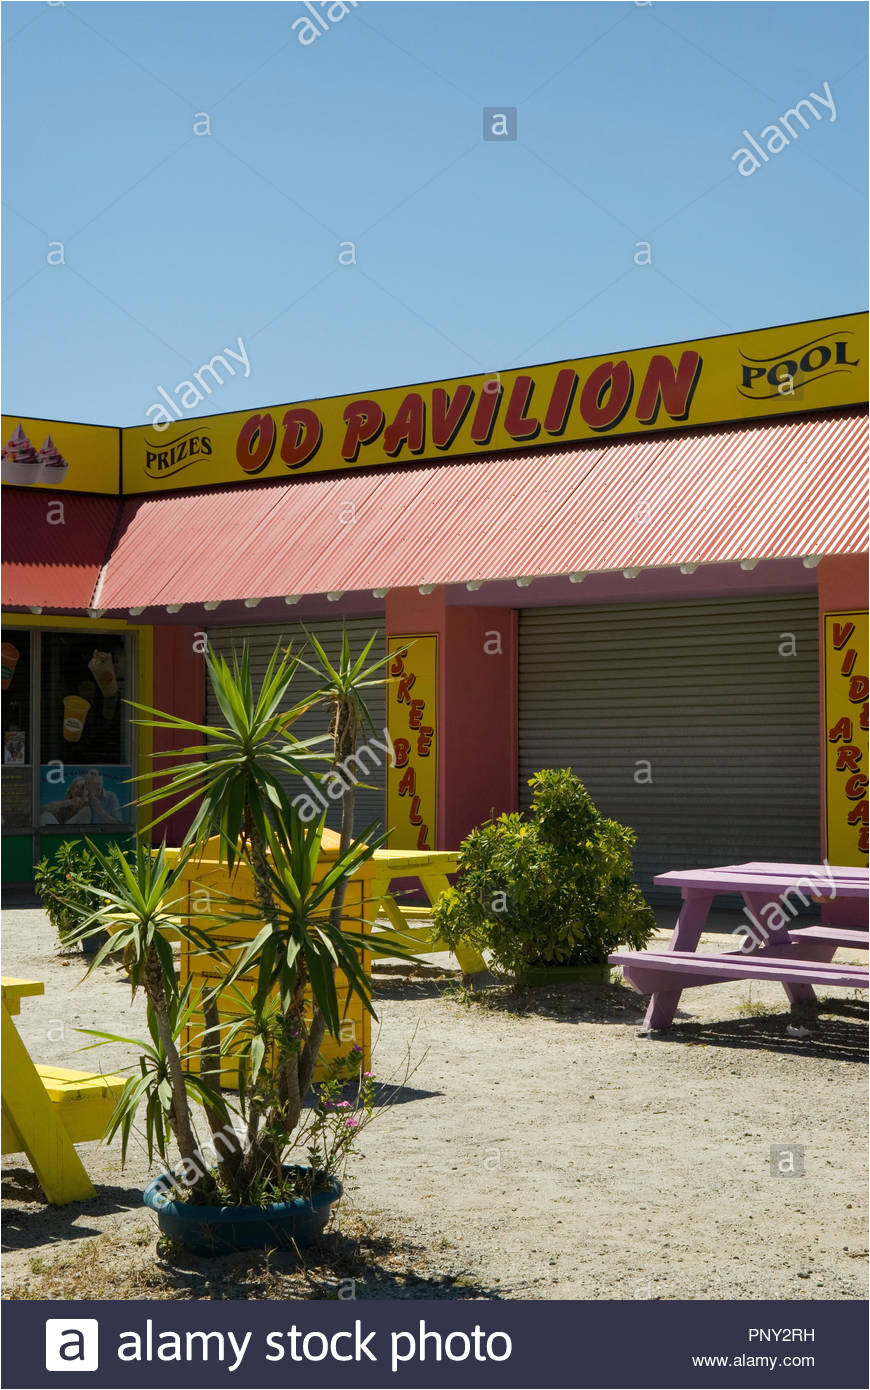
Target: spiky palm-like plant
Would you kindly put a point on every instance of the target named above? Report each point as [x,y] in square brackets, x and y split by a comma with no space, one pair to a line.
[234,772]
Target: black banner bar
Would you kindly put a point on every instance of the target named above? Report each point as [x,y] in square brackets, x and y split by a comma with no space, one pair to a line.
[425,1343]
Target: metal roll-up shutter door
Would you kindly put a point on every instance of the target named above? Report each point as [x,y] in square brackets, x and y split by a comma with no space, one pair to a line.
[709,695]
[262,640]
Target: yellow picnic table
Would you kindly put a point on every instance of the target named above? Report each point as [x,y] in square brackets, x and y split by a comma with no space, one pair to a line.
[47,1110]
[431,868]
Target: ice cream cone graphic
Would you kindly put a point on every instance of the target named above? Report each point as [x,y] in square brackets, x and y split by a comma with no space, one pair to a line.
[75,712]
[21,463]
[102,668]
[10,655]
[53,467]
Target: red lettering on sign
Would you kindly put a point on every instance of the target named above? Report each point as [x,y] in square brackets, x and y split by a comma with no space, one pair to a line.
[447,414]
[842,729]
[403,690]
[422,842]
[303,434]
[398,664]
[364,420]
[864,839]
[560,402]
[424,740]
[856,786]
[408,782]
[860,814]
[848,758]
[415,713]
[606,395]
[256,443]
[858,689]
[864,721]
[848,661]
[401,749]
[408,426]
[842,633]
[414,813]
[516,422]
[484,416]
[662,385]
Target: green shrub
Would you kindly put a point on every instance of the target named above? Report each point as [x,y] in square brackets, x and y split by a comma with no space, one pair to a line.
[55,880]
[553,887]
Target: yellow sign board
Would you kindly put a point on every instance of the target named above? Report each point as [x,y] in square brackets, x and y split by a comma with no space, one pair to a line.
[56,454]
[759,375]
[740,376]
[412,718]
[847,688]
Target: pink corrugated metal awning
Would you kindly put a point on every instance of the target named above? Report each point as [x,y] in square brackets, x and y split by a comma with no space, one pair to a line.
[54,546]
[765,491]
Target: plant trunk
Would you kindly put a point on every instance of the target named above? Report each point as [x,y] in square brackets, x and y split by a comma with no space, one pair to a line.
[227,1146]
[264,1154]
[316,1033]
[180,1120]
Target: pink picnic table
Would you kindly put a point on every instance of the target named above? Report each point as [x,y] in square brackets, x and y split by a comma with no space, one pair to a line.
[797,957]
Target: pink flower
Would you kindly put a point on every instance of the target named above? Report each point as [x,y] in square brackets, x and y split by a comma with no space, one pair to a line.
[352,1124]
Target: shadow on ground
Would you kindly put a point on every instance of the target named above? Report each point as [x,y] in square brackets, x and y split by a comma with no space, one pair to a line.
[568,1003]
[354,1262]
[28,1220]
[340,1266]
[836,1028]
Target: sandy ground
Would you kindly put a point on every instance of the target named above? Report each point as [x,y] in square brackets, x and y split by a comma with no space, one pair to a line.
[541,1149]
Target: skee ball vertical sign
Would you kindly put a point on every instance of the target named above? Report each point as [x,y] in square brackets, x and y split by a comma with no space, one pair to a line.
[412,778]
[847,690]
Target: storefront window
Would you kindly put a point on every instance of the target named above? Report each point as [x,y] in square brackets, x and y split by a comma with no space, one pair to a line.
[17,733]
[85,756]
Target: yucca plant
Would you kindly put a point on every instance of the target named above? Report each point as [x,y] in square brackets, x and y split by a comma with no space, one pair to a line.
[148,1094]
[134,902]
[234,772]
[341,687]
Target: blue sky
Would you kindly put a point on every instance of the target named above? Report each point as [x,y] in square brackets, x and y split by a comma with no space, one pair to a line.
[471,255]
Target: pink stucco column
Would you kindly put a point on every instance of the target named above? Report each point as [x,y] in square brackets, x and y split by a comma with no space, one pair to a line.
[179,688]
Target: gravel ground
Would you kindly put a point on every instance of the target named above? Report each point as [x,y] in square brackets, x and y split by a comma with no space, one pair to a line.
[541,1149]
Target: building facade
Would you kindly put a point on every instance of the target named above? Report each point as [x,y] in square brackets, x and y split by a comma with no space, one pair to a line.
[648,567]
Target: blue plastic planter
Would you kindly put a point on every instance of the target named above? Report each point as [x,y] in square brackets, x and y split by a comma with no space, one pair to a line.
[207,1230]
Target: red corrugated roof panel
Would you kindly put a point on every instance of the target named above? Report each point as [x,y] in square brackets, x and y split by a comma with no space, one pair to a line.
[761,491]
[54,547]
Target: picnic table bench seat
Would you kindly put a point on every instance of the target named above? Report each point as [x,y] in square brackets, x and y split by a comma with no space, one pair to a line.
[834,936]
[83,1101]
[649,971]
[47,1110]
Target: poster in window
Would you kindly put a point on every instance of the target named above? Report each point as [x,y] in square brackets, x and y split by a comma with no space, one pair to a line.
[84,717]
[78,794]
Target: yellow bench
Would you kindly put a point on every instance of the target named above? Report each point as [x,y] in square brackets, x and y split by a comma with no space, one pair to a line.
[47,1110]
[430,868]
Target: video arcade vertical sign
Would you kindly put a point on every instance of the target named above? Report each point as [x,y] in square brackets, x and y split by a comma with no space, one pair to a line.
[847,689]
[412,778]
